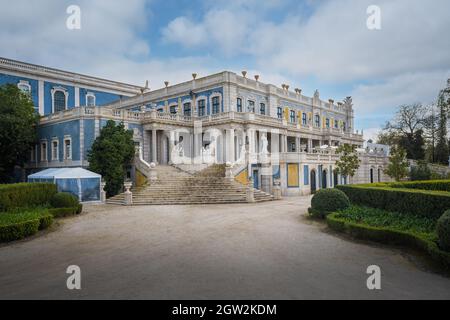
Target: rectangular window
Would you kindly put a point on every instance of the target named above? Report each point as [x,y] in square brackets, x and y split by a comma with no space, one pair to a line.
[239,105]
[292,116]
[187,109]
[317,120]
[336,123]
[343,126]
[44,151]
[55,150]
[327,122]
[279,113]
[173,109]
[67,149]
[201,108]
[262,108]
[215,105]
[251,106]
[304,122]
[306,175]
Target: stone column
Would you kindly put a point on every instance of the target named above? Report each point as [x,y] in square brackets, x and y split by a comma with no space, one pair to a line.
[230,145]
[154,146]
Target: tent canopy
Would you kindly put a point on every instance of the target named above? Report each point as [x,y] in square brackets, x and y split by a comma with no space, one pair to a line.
[64,173]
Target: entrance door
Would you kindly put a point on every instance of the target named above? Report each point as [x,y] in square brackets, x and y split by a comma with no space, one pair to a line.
[313,181]
[371,175]
[324,179]
[255,179]
[335,178]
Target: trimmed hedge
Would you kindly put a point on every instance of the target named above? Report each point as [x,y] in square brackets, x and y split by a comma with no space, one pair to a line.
[64,212]
[433,185]
[409,201]
[23,195]
[64,200]
[14,226]
[325,201]
[443,231]
[389,236]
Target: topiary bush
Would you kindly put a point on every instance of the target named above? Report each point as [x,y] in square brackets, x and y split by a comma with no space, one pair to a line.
[325,201]
[64,200]
[443,231]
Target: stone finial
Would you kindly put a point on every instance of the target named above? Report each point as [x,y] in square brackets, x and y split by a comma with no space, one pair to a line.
[339,103]
[287,87]
[298,91]
[283,86]
[331,101]
[256,77]
[166,83]
[244,73]
[194,76]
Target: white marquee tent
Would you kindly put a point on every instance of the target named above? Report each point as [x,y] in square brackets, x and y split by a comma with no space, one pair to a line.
[80,182]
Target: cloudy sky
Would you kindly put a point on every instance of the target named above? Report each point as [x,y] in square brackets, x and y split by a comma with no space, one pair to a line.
[311,44]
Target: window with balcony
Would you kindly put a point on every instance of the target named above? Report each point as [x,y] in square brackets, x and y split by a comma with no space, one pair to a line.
[262,108]
[90,99]
[187,109]
[317,120]
[239,105]
[59,101]
[304,120]
[251,106]
[279,113]
[201,108]
[215,105]
[344,126]
[336,124]
[292,116]
[173,109]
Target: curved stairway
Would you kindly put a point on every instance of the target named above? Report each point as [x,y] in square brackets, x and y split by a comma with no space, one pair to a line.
[178,187]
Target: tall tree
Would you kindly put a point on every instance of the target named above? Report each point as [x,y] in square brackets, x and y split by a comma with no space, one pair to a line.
[398,165]
[406,130]
[442,148]
[18,133]
[348,161]
[430,126]
[111,152]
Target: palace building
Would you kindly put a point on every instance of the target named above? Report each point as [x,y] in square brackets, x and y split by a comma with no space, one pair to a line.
[263,133]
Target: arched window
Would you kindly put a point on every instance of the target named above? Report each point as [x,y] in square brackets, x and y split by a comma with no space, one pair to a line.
[173,109]
[24,86]
[251,106]
[262,108]
[90,99]
[59,100]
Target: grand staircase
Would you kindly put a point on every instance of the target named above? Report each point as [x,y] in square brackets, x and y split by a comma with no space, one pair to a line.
[175,186]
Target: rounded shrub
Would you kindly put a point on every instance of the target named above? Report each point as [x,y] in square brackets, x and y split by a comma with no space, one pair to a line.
[64,200]
[325,201]
[443,231]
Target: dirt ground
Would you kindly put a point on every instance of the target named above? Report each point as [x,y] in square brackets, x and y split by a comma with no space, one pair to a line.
[246,251]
